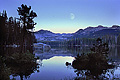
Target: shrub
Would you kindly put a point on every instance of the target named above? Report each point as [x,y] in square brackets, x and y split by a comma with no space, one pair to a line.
[96,61]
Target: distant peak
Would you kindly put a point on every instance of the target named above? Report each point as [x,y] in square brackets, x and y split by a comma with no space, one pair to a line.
[115,26]
[80,30]
[43,31]
[100,26]
[88,28]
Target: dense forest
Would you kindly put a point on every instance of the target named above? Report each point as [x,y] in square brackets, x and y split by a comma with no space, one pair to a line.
[17,31]
[16,44]
[112,40]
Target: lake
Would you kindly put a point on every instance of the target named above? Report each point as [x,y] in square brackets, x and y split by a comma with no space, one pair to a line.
[52,64]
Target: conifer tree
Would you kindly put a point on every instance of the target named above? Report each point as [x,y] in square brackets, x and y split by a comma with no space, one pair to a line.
[26,17]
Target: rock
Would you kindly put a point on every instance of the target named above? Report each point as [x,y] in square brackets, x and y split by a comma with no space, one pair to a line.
[41,46]
[67,63]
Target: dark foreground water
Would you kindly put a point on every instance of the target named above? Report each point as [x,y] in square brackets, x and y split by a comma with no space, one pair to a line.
[52,64]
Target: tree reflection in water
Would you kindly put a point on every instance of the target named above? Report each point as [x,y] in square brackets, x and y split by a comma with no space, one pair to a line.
[22,65]
[93,65]
[4,70]
[23,70]
[17,64]
[109,74]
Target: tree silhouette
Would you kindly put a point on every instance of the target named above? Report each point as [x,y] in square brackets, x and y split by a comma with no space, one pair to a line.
[3,19]
[95,62]
[26,17]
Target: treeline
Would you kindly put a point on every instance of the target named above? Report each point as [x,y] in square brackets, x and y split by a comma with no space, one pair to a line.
[17,31]
[72,42]
[16,40]
[55,43]
[81,42]
[112,40]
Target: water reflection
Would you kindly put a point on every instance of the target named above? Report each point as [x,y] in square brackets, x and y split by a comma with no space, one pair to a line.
[13,63]
[114,53]
[110,74]
[22,70]
[53,65]
[54,69]
[98,73]
[4,70]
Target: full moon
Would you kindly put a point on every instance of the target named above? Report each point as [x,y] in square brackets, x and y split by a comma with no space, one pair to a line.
[72,16]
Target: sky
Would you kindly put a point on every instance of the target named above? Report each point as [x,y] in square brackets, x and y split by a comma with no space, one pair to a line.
[68,16]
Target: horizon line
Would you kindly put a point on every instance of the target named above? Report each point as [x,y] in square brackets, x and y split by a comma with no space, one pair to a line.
[76,30]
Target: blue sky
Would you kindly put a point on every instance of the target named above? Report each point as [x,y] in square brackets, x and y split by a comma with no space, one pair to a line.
[67,16]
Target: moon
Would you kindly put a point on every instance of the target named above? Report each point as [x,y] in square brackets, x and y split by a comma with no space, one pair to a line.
[72,16]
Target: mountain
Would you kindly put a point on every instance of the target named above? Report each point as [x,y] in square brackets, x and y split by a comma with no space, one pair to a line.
[106,32]
[89,32]
[44,32]
[97,31]
[45,35]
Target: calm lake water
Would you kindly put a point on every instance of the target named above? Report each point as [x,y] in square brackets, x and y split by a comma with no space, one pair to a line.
[52,64]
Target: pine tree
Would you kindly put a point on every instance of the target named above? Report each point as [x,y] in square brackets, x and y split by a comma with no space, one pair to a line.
[26,17]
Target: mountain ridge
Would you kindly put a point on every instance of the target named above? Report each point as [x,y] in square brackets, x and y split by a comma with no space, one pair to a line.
[99,27]
[89,32]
